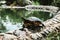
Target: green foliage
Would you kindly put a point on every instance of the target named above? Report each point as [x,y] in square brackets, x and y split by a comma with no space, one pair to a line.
[35,2]
[53,36]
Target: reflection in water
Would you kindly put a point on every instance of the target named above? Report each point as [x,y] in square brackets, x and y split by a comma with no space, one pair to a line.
[8,24]
[11,19]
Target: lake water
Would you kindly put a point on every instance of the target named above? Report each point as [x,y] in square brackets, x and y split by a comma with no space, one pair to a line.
[10,19]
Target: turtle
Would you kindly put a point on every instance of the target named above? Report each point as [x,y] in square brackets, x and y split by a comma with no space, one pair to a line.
[33,23]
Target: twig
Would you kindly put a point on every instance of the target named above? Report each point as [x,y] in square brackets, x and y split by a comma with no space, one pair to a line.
[52,9]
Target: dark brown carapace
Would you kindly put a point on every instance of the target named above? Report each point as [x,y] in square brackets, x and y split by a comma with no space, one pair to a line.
[32,23]
[34,26]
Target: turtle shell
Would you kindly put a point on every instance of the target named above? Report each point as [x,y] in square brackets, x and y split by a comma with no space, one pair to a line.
[33,19]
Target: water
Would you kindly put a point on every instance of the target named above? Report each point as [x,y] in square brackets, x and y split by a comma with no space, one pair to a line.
[10,19]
